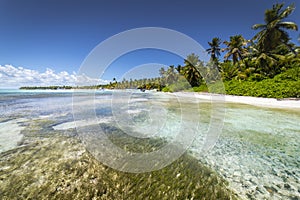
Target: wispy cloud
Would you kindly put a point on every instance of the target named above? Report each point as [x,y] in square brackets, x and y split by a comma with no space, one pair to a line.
[14,77]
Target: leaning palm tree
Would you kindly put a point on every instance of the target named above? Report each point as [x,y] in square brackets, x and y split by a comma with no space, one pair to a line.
[192,75]
[190,71]
[214,49]
[273,32]
[236,48]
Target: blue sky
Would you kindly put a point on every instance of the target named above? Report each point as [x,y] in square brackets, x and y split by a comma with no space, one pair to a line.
[59,34]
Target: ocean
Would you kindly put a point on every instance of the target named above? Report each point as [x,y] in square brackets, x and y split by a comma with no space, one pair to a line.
[255,149]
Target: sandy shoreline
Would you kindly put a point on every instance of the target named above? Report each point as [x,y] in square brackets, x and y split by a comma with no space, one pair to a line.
[256,101]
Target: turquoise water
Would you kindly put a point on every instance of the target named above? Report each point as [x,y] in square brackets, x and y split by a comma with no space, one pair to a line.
[258,150]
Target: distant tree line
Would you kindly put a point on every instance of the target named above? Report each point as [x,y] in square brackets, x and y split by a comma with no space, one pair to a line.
[64,87]
[54,87]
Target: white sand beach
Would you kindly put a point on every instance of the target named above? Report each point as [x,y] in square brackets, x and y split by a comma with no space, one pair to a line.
[256,101]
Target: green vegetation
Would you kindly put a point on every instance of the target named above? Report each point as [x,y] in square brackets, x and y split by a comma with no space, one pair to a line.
[54,87]
[267,65]
[64,87]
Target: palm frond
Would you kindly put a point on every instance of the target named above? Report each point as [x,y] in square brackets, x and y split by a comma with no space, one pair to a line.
[288,25]
[287,11]
[258,26]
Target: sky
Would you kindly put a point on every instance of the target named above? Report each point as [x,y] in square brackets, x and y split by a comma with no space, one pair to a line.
[54,37]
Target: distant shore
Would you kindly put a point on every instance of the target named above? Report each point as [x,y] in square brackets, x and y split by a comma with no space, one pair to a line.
[289,103]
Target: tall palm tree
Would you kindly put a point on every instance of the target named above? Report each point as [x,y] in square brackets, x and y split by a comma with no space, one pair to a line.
[214,49]
[273,32]
[236,48]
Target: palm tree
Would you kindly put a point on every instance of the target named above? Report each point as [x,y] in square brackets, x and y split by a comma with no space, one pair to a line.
[214,49]
[171,75]
[190,71]
[236,48]
[228,71]
[191,59]
[192,75]
[179,68]
[162,72]
[273,32]
[269,64]
[266,64]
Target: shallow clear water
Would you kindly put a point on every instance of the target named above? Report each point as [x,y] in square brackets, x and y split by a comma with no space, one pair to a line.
[258,151]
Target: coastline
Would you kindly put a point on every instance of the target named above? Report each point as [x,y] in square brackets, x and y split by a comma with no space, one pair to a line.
[255,101]
[253,160]
[285,103]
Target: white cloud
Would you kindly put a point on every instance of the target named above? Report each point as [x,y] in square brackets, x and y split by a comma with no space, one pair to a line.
[14,77]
